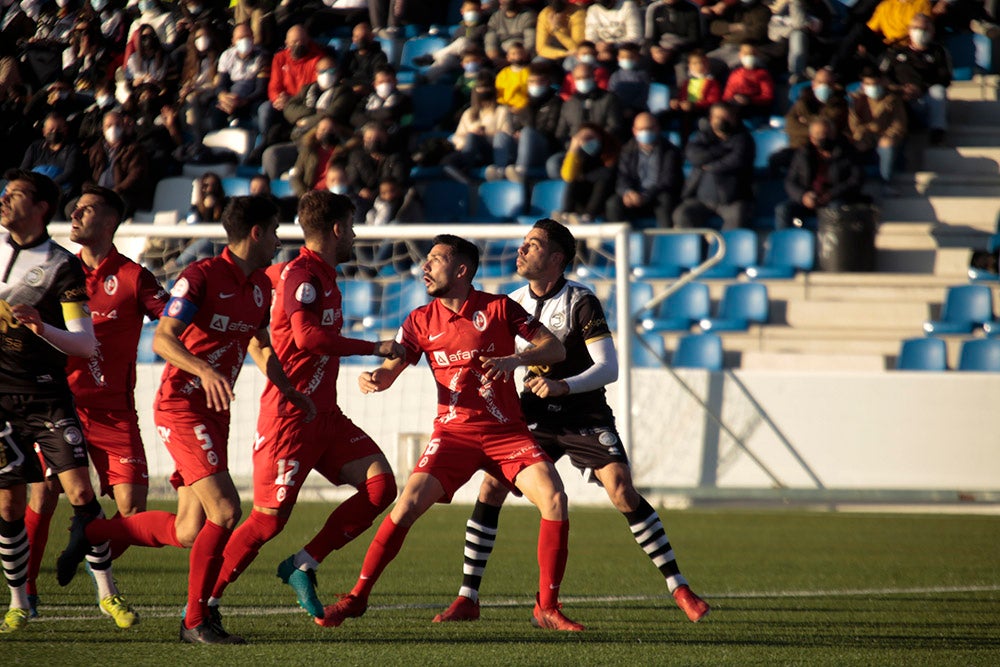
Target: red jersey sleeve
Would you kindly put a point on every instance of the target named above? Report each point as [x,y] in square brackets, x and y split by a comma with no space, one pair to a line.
[303,306]
[519,321]
[409,339]
[151,295]
[187,295]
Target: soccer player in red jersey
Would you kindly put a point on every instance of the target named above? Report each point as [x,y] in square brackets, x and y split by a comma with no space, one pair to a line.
[217,310]
[306,323]
[121,294]
[468,337]
[569,416]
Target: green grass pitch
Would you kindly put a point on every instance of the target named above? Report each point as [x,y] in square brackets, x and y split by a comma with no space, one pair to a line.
[787,587]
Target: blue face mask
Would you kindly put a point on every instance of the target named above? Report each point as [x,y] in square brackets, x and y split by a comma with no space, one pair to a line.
[537,91]
[591,147]
[146,6]
[647,137]
[471,68]
[874,92]
[470,17]
[339,189]
[627,64]
[584,86]
[822,91]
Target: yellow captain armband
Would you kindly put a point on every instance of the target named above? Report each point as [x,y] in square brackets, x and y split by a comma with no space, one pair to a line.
[75,310]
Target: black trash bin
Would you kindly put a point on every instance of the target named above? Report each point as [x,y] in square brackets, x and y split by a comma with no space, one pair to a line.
[846,237]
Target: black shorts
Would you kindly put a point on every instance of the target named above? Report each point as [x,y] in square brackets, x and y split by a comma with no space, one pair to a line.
[589,449]
[48,421]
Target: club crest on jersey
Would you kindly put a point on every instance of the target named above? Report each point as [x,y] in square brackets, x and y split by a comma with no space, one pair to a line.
[175,308]
[72,436]
[479,320]
[258,296]
[558,319]
[111,285]
[305,293]
[34,277]
[219,323]
[180,288]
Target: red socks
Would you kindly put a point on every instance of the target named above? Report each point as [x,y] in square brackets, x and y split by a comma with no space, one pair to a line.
[244,546]
[382,550]
[353,516]
[145,529]
[37,527]
[553,548]
[205,563]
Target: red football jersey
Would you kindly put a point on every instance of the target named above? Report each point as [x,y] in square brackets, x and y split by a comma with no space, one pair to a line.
[224,309]
[121,294]
[306,321]
[486,326]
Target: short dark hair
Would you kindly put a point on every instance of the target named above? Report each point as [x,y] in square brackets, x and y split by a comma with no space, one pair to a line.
[320,210]
[465,251]
[45,188]
[110,198]
[559,235]
[244,213]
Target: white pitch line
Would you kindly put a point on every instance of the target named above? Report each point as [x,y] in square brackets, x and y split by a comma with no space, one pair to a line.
[162,611]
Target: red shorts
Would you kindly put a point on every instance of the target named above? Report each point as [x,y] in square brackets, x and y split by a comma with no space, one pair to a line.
[286,449]
[197,443]
[115,446]
[453,455]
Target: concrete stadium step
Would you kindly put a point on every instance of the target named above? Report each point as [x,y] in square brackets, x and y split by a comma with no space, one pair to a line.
[977,213]
[963,159]
[812,362]
[851,315]
[878,287]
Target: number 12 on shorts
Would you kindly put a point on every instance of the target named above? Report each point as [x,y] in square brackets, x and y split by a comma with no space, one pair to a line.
[286,471]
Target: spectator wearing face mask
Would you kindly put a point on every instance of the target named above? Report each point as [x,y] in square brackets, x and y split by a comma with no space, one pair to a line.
[695,95]
[750,88]
[586,53]
[561,27]
[85,61]
[510,23]
[242,76]
[483,136]
[388,106]
[889,23]
[630,82]
[589,104]
[148,63]
[825,98]
[369,162]
[329,96]
[535,124]
[473,63]
[365,56]
[878,122]
[470,32]
[512,80]
[649,178]
[919,69]
[315,150]
[673,29]
[58,97]
[91,119]
[56,155]
[111,20]
[159,19]
[589,171]
[743,22]
[118,163]
[198,76]
[614,22]
[721,154]
[824,172]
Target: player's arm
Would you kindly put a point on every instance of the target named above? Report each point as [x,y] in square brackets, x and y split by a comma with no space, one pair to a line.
[267,361]
[310,337]
[545,350]
[382,377]
[603,372]
[167,343]
[76,340]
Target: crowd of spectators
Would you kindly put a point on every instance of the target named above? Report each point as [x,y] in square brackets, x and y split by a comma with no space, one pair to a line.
[122,93]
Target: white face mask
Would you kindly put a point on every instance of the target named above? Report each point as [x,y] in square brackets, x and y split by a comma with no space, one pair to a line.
[62,3]
[113,134]
[102,100]
[98,5]
[202,43]
[338,188]
[384,90]
[748,62]
[920,37]
[244,45]
[326,80]
[122,92]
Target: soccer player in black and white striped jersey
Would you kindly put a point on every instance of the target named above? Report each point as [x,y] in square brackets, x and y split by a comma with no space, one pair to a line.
[567,412]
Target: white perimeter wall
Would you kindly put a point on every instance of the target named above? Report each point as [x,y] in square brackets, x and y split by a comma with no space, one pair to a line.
[847,430]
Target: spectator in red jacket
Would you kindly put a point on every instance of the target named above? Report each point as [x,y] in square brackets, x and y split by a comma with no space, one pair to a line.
[750,87]
[695,95]
[291,68]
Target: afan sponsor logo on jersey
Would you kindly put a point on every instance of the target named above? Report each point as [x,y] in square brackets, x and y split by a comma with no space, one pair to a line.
[330,317]
[180,288]
[258,296]
[111,285]
[442,358]
[479,320]
[222,323]
[305,293]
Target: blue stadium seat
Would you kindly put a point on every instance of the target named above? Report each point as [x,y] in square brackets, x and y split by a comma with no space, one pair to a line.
[358,301]
[444,201]
[281,188]
[173,194]
[741,253]
[639,293]
[965,308]
[234,186]
[498,201]
[648,355]
[391,48]
[742,304]
[431,104]
[962,50]
[698,351]
[688,305]
[670,255]
[788,251]
[398,299]
[922,354]
[768,141]
[546,199]
[599,264]
[796,90]
[658,99]
[499,259]
[980,354]
[414,48]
